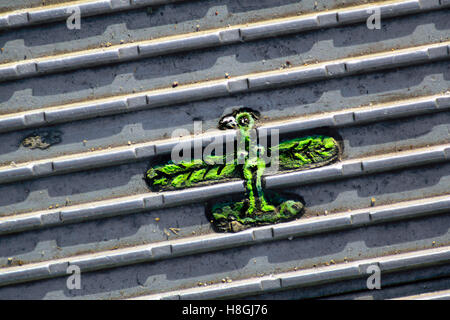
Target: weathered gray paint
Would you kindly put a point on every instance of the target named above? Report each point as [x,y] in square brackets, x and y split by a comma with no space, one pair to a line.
[68,205]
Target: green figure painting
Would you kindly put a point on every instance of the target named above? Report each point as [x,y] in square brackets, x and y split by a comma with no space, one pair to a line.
[249,162]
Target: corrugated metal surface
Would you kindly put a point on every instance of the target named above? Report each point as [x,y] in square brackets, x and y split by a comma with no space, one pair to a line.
[102,97]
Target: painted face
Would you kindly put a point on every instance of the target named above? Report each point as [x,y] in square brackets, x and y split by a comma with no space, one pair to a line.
[228,122]
[245,120]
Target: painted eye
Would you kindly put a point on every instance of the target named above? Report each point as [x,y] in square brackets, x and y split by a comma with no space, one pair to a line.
[244,120]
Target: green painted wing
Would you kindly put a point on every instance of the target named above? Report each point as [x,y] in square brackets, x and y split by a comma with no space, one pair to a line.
[306,152]
[171,176]
[296,154]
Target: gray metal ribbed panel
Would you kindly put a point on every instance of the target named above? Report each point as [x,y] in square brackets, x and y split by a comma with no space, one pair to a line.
[105,96]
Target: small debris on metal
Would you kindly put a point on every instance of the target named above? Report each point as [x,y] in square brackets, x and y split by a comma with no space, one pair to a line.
[42,139]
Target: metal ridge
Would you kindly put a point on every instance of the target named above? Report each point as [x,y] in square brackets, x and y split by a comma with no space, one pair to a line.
[38,15]
[199,40]
[124,205]
[308,277]
[208,243]
[119,155]
[220,88]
